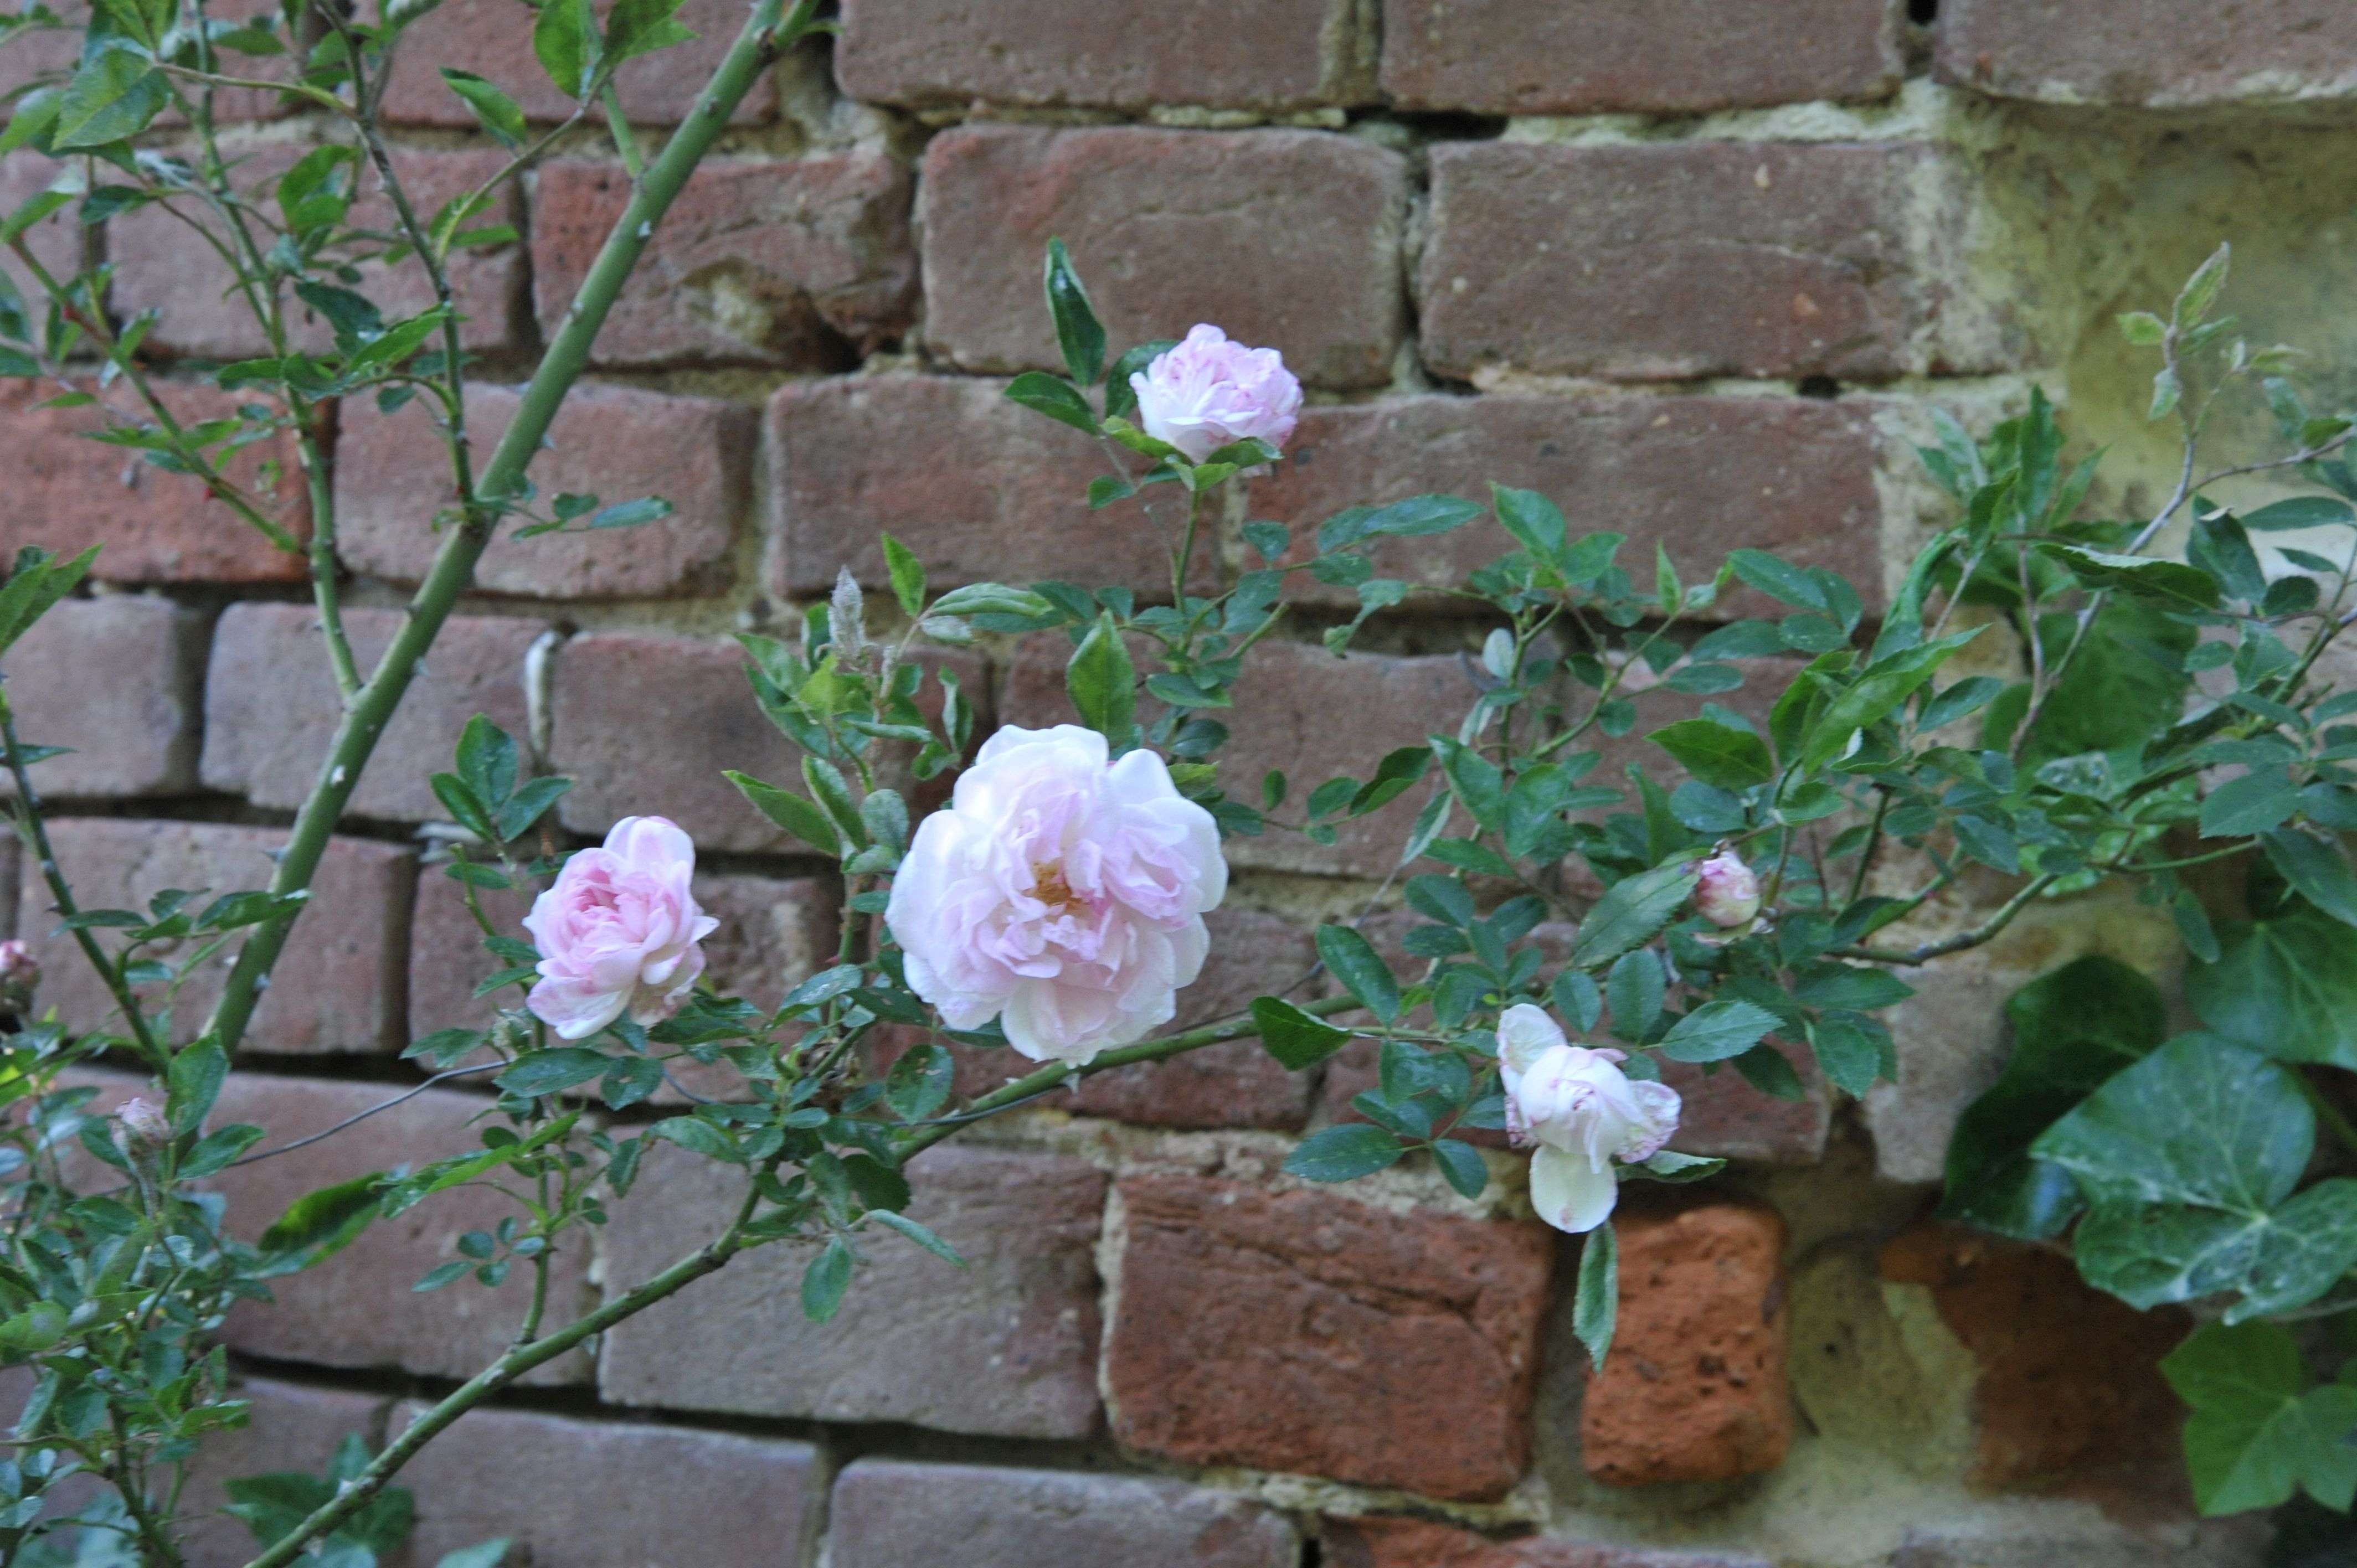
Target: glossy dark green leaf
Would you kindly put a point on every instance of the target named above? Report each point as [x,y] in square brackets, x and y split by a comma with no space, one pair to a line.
[1344,1153]
[1296,1038]
[1630,912]
[2285,987]
[1353,962]
[1595,1297]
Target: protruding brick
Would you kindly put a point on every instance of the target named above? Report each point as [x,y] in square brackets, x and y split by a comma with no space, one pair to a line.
[790,264]
[1001,495]
[889,1513]
[493,38]
[1289,55]
[1685,259]
[68,493]
[340,988]
[1288,239]
[1393,1541]
[619,444]
[1697,476]
[2152,54]
[610,1493]
[358,1308]
[1304,1332]
[292,1427]
[1693,1388]
[161,266]
[1672,57]
[116,680]
[272,707]
[1005,1347]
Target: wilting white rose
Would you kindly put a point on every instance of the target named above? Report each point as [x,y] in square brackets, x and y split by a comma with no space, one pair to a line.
[1582,1112]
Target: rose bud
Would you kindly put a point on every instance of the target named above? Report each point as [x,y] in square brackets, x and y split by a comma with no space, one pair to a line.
[18,968]
[1209,392]
[143,1123]
[1727,892]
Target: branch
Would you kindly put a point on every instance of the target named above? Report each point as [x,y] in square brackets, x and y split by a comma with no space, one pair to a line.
[1985,931]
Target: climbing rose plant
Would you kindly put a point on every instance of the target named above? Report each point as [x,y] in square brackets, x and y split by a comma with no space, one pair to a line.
[1741,901]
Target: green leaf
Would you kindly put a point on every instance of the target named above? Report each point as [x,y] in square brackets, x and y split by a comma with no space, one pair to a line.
[1634,988]
[2262,799]
[698,1137]
[1353,962]
[1102,683]
[320,1224]
[1078,332]
[1675,1168]
[1121,398]
[1055,397]
[1595,1300]
[219,1149]
[2300,513]
[893,1220]
[789,810]
[1719,755]
[1631,911]
[565,38]
[554,1071]
[1880,688]
[2258,1431]
[1777,579]
[2173,584]
[1341,1154]
[635,27]
[2073,1030]
[825,1280]
[1716,1031]
[2285,987]
[1461,1167]
[2200,290]
[114,95]
[483,1555]
[1296,1038]
[2114,692]
[2316,869]
[920,1082]
[2142,327]
[907,575]
[1536,521]
[194,1083]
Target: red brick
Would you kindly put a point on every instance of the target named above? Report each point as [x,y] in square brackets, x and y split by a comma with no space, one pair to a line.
[161,266]
[1680,260]
[1693,1389]
[1698,476]
[610,1493]
[493,38]
[339,987]
[1286,55]
[1304,1332]
[613,442]
[155,527]
[1005,1347]
[272,707]
[1673,57]
[786,264]
[1392,1542]
[2154,54]
[890,1513]
[116,679]
[293,1427]
[358,1309]
[1288,239]
[1000,493]
[51,55]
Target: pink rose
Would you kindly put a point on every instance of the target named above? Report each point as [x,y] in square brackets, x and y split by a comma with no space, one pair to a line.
[1208,391]
[19,967]
[618,932]
[1726,891]
[1582,1111]
[1058,893]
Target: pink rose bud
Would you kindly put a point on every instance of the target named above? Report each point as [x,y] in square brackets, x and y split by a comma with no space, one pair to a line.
[1582,1112]
[1726,893]
[1209,392]
[1058,893]
[619,931]
[144,1122]
[18,968]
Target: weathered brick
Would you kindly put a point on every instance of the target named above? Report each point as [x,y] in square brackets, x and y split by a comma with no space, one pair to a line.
[155,527]
[1694,1388]
[1001,495]
[358,1309]
[116,679]
[339,990]
[785,263]
[392,480]
[1006,1348]
[272,708]
[1234,1084]
[1697,476]
[160,265]
[1685,259]
[493,38]
[1304,1332]
[2069,1390]
[1290,54]
[1393,1541]
[293,1427]
[1674,56]
[1288,239]
[610,1493]
[889,1513]
[2153,54]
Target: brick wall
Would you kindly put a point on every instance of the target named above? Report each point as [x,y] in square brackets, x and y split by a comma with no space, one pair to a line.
[1697,270]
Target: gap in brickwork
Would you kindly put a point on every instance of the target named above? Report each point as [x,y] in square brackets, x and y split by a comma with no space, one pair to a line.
[1923,13]
[1819,387]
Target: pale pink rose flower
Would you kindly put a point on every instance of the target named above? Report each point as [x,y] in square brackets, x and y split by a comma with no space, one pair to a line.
[1060,892]
[1726,891]
[1582,1112]
[618,931]
[1209,392]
